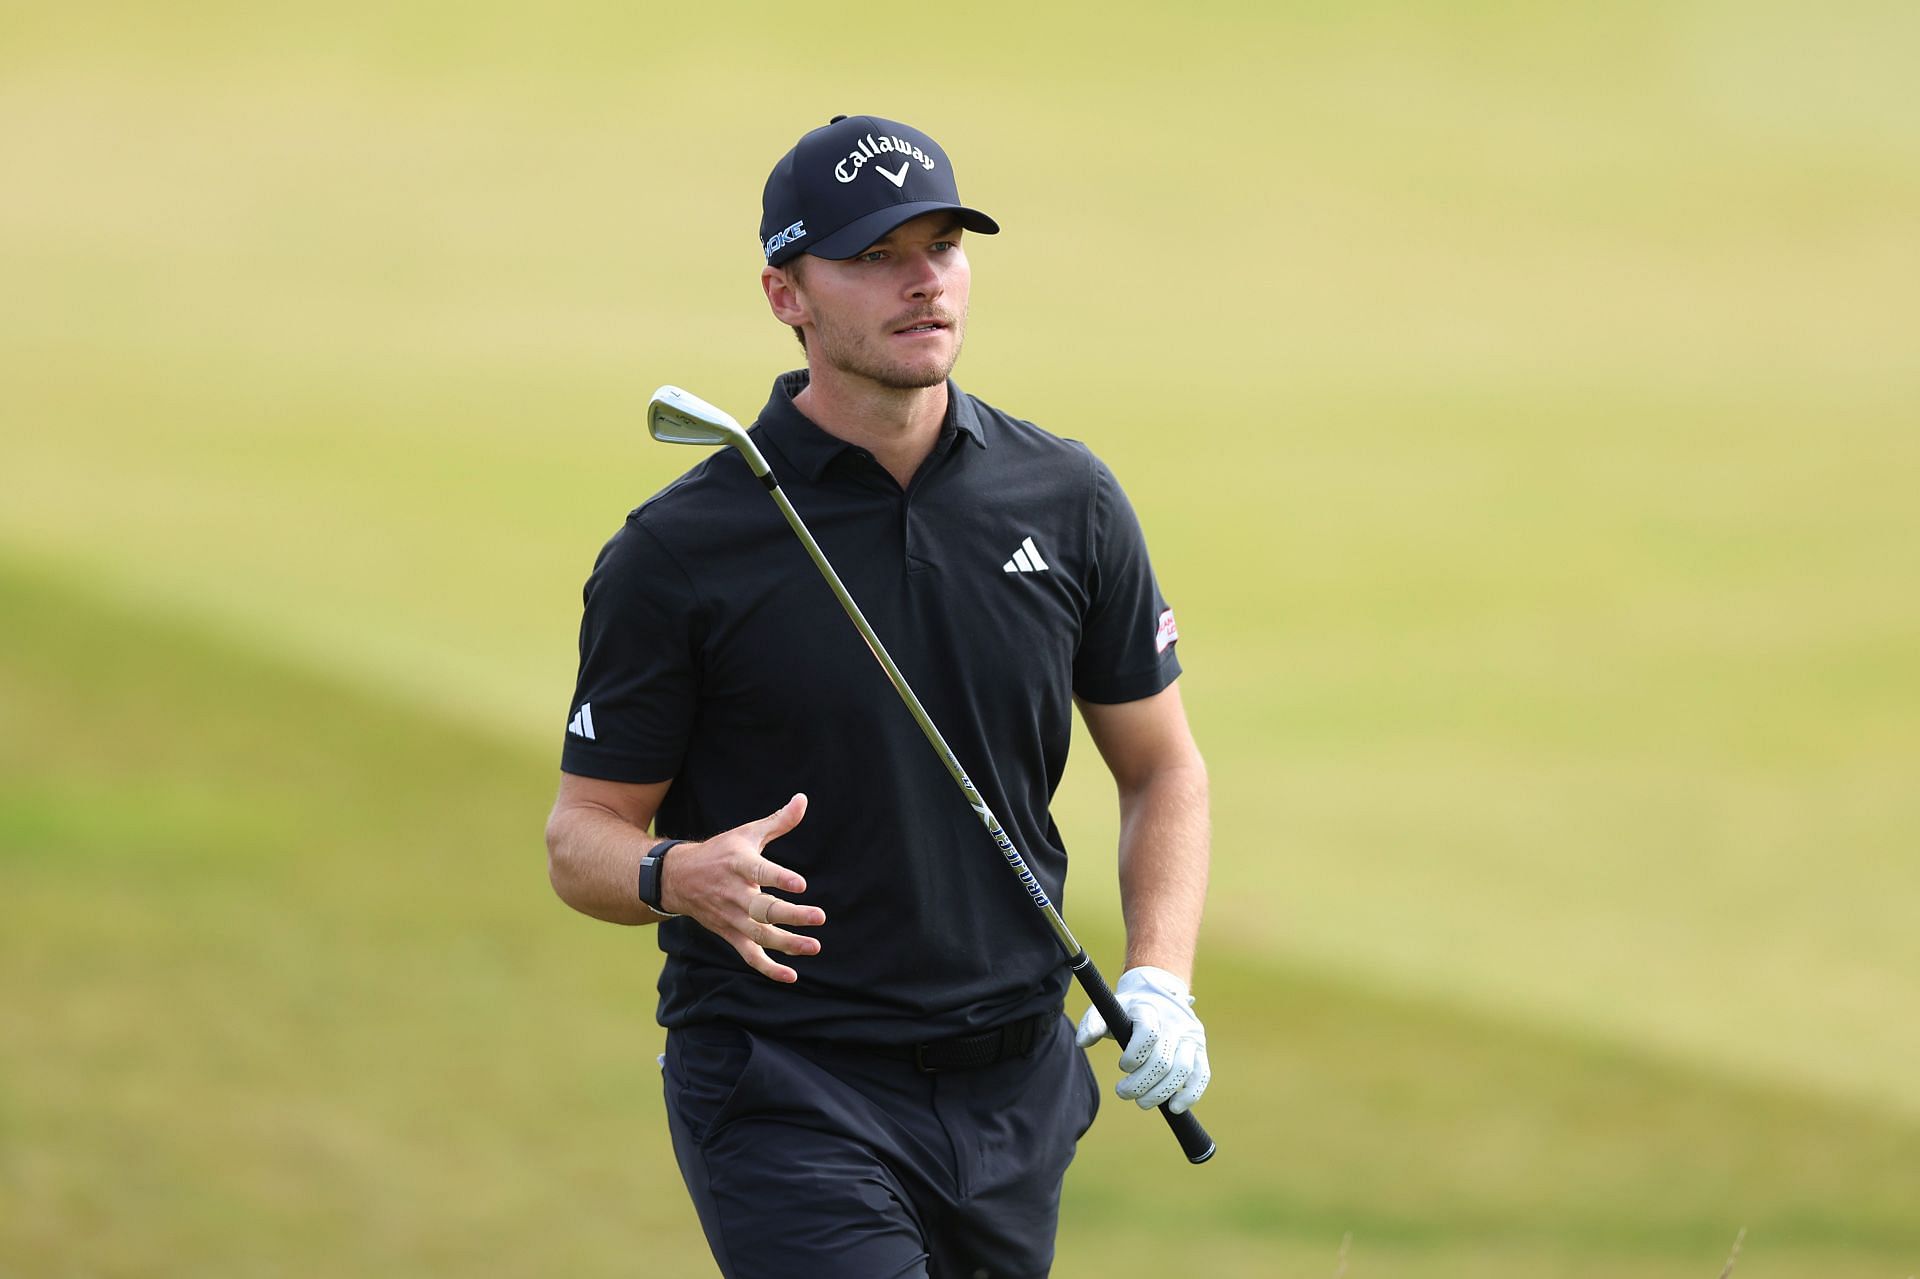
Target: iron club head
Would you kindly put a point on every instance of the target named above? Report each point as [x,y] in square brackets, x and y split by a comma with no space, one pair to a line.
[675,416]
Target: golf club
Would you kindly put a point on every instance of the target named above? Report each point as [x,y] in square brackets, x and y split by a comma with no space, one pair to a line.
[675,416]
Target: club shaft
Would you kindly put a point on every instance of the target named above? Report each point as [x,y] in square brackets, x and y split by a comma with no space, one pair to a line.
[1194,1141]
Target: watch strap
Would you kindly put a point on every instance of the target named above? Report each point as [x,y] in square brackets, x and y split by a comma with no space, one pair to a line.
[650,875]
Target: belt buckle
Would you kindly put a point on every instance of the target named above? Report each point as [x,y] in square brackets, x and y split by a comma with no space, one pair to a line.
[920,1061]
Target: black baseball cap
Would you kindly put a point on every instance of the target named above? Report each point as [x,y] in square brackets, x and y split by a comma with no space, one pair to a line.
[851,181]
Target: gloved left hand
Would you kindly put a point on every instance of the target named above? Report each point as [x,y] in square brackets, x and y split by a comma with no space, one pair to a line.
[1166,1059]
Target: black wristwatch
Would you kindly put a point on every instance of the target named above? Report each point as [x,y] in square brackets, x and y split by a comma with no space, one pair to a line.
[650,875]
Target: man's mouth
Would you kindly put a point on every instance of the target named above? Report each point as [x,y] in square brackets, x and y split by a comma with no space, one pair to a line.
[923,326]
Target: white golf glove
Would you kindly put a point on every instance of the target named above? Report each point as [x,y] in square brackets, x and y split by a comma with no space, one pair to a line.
[1167,1058]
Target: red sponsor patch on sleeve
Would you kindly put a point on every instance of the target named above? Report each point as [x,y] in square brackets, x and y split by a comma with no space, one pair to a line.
[1166,633]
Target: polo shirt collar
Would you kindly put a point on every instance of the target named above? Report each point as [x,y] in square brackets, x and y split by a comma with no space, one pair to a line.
[811,449]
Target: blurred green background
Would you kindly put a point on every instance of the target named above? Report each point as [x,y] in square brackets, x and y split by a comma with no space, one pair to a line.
[1521,404]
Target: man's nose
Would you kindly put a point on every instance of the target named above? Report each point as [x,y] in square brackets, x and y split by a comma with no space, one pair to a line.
[924,282]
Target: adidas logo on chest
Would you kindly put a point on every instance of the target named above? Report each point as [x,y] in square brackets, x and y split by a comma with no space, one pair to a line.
[1026,559]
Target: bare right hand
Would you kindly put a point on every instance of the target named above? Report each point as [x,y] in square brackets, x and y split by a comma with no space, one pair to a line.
[718,882]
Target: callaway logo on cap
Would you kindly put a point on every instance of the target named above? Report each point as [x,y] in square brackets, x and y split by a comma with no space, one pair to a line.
[850,182]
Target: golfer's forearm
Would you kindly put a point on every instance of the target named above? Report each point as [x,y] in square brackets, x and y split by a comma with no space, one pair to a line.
[1164,840]
[593,861]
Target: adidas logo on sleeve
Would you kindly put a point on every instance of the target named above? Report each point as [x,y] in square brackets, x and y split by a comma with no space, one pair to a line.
[582,725]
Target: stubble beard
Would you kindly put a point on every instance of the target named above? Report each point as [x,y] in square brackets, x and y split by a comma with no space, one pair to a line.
[865,356]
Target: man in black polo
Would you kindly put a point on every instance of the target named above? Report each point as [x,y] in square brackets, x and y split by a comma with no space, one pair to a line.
[867,1070]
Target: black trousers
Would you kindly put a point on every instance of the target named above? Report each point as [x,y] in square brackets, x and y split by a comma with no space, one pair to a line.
[806,1160]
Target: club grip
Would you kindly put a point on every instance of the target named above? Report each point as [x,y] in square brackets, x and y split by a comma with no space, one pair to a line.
[1193,1139]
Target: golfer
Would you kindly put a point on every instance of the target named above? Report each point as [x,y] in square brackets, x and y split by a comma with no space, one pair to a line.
[868,1071]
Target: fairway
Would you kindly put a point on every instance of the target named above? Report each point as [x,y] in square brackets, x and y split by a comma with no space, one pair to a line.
[1520,406]
[297,1020]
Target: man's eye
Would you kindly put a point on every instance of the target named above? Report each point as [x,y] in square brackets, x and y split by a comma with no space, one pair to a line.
[874,255]
[944,245]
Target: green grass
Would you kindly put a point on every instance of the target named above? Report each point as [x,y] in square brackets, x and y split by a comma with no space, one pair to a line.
[1519,401]
[286,994]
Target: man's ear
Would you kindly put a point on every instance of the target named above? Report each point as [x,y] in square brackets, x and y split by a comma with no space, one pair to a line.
[784,297]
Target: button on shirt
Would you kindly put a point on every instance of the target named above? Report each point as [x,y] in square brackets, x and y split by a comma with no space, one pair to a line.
[1008,576]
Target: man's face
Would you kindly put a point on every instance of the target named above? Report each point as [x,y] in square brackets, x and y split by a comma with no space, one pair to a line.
[895,314]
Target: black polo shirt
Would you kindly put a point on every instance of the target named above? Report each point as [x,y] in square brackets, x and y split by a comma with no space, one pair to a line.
[1008,576]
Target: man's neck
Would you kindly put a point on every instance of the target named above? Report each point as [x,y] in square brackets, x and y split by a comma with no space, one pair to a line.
[899,427]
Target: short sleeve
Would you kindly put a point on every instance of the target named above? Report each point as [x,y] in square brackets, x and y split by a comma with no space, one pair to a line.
[633,701]
[1126,646]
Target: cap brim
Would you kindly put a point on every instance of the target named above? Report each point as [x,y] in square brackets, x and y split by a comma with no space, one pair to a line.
[862,233]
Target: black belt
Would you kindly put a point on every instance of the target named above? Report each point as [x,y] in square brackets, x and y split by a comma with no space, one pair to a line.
[970,1052]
